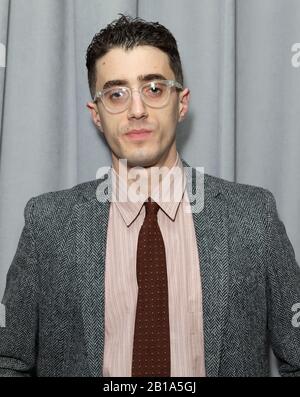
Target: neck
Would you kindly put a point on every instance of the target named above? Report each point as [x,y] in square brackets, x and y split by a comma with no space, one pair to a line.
[147,177]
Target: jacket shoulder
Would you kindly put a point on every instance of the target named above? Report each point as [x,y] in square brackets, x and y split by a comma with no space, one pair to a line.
[240,195]
[234,192]
[61,201]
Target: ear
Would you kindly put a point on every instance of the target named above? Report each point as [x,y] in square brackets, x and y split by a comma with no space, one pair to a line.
[184,98]
[95,114]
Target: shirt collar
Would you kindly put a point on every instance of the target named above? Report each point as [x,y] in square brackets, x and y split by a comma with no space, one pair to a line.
[168,194]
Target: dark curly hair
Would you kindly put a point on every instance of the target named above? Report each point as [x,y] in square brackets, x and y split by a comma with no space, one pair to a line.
[128,32]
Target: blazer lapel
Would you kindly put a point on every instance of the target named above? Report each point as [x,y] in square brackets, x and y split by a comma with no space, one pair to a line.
[91,231]
[211,233]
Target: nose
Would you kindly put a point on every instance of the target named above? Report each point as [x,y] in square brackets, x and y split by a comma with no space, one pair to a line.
[137,108]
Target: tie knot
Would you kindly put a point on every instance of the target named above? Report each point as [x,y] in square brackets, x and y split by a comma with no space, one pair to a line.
[151,207]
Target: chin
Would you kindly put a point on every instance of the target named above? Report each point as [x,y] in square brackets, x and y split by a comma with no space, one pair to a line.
[142,160]
[145,163]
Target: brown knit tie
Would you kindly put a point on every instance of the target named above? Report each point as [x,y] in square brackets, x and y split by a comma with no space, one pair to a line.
[151,346]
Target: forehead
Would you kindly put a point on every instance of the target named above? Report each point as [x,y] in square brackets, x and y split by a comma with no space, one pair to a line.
[121,64]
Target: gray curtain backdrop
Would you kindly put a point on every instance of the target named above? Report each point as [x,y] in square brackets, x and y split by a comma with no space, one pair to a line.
[239,61]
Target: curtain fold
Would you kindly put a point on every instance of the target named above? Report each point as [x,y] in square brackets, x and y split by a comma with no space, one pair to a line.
[4,24]
[244,115]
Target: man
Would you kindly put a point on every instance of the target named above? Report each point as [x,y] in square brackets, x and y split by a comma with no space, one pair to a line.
[151,287]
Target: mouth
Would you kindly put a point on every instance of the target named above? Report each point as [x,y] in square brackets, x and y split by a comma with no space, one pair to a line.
[138,135]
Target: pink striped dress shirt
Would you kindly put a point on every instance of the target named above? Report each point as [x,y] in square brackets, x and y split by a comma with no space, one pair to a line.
[184,282]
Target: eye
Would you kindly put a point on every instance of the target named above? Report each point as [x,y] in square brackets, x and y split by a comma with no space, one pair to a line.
[117,94]
[154,89]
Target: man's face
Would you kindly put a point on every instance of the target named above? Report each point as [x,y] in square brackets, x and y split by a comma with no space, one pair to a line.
[133,67]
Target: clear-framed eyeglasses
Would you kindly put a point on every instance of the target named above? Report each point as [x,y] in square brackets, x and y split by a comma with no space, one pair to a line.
[155,94]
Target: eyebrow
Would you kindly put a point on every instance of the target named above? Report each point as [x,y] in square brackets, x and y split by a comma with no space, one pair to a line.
[142,78]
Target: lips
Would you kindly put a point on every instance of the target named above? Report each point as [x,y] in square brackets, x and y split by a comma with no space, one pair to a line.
[139,134]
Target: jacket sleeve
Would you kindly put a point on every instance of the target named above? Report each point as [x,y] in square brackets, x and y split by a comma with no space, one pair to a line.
[18,336]
[283,291]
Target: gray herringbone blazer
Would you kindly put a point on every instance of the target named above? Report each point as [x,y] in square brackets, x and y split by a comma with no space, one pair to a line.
[54,296]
